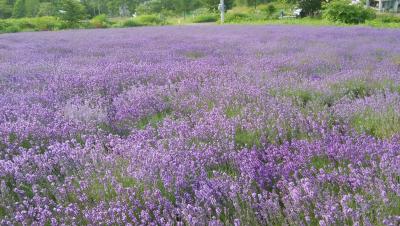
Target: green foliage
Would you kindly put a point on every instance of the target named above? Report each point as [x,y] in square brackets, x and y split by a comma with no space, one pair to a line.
[131,23]
[232,111]
[309,7]
[31,8]
[194,55]
[342,11]
[36,24]
[150,7]
[3,212]
[100,21]
[144,20]
[72,12]
[153,120]
[46,9]
[320,162]
[269,9]
[6,9]
[377,124]
[388,18]
[12,29]
[19,9]
[149,20]
[237,17]
[227,168]
[244,138]
[212,5]
[358,88]
[205,18]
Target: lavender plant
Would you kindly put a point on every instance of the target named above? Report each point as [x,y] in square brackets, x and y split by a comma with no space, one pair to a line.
[232,125]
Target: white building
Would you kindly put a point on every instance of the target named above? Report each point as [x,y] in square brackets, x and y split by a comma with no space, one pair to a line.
[385,5]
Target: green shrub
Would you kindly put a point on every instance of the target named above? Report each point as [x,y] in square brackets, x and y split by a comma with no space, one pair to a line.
[47,24]
[131,23]
[4,24]
[342,11]
[387,18]
[38,24]
[377,124]
[12,29]
[309,7]
[205,18]
[237,17]
[100,21]
[74,11]
[249,139]
[359,88]
[149,20]
[269,9]
[25,23]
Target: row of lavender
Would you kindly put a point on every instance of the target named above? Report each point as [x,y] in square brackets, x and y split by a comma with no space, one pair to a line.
[232,125]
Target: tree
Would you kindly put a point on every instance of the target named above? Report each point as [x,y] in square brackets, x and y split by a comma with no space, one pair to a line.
[213,4]
[184,6]
[19,9]
[47,9]
[31,8]
[309,7]
[72,11]
[5,9]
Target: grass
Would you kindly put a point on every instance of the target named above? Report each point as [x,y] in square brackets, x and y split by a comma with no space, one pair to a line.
[238,15]
[226,168]
[205,18]
[320,162]
[194,55]
[359,88]
[245,138]
[233,111]
[380,125]
[153,120]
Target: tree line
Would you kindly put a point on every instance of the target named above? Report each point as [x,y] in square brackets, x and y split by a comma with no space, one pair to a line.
[91,8]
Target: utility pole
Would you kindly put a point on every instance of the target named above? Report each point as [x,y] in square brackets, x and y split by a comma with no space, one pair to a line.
[221,8]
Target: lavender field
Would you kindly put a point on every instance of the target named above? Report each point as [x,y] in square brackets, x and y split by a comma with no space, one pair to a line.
[200,125]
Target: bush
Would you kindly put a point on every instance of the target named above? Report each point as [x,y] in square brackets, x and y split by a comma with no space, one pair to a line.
[205,18]
[387,18]
[237,17]
[309,7]
[48,24]
[73,11]
[46,9]
[12,29]
[131,23]
[269,9]
[149,20]
[37,24]
[100,21]
[342,11]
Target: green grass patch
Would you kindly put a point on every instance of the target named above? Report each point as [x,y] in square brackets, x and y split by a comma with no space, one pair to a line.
[301,97]
[249,139]
[205,18]
[379,125]
[194,55]
[31,24]
[226,168]
[164,192]
[3,211]
[233,111]
[355,89]
[98,192]
[153,120]
[320,162]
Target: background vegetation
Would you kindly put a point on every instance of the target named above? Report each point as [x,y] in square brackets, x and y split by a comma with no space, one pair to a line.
[39,15]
